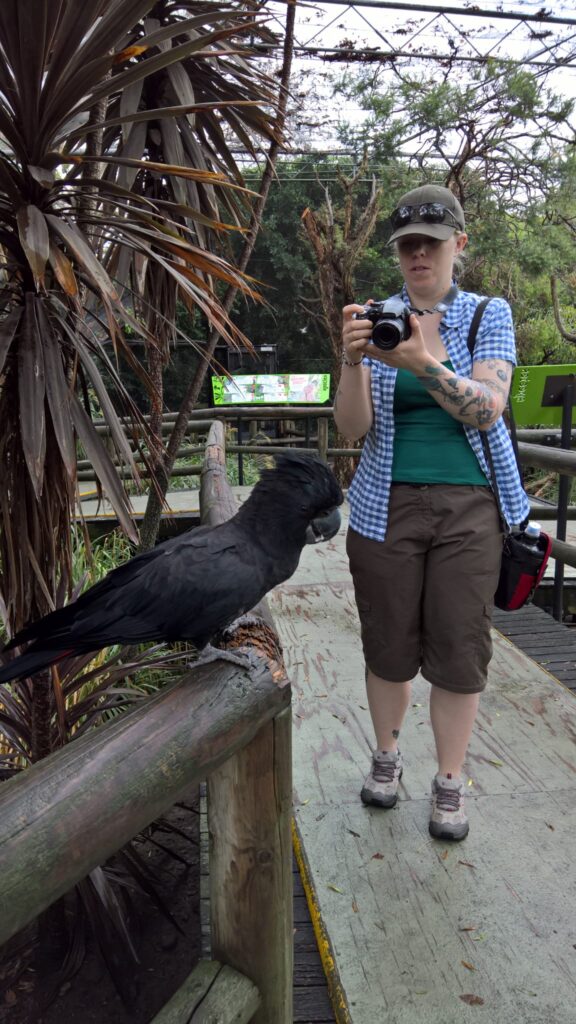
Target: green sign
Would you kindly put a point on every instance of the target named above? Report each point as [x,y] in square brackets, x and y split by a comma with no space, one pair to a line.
[272,389]
[536,394]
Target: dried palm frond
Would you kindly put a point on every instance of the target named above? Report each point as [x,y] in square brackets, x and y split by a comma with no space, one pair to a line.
[83,228]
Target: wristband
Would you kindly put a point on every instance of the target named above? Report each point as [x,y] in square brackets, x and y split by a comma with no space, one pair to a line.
[348,362]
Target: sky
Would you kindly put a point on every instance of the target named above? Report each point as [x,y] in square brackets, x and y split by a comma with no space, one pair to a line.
[328,26]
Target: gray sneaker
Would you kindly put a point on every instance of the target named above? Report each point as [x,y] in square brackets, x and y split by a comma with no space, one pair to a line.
[448,819]
[381,786]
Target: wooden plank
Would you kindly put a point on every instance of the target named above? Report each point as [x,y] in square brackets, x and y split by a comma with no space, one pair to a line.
[306,939]
[178,503]
[533,633]
[301,914]
[544,648]
[249,811]
[308,973]
[562,674]
[551,644]
[212,994]
[312,1006]
[529,613]
[548,631]
[393,902]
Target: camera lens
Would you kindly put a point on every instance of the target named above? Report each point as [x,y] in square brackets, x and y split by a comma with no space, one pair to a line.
[387,334]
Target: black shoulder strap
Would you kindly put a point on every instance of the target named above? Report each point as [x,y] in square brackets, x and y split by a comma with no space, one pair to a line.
[476,324]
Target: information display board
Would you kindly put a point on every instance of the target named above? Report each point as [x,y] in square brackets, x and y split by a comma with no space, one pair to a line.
[536,394]
[272,389]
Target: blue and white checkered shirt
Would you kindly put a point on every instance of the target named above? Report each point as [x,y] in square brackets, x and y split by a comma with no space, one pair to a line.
[369,492]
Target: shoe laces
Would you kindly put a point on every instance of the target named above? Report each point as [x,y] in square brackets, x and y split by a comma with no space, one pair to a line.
[448,799]
[383,771]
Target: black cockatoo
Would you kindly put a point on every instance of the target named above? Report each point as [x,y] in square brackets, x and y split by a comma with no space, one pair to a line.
[192,586]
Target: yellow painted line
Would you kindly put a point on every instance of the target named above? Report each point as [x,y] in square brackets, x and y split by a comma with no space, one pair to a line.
[337,995]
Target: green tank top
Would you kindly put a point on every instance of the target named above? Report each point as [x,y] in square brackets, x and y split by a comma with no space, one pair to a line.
[430,446]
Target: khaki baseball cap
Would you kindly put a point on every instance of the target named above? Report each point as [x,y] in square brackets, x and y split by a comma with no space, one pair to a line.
[429,210]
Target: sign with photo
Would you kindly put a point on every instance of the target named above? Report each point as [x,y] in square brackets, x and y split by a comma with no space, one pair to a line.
[272,389]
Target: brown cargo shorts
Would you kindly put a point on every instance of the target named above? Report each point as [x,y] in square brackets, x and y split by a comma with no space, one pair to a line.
[425,593]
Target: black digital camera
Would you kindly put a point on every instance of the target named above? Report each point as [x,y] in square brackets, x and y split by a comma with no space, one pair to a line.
[390,319]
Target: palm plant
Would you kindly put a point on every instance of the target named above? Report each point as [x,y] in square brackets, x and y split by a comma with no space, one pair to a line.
[227,100]
[115,127]
[71,242]
[89,690]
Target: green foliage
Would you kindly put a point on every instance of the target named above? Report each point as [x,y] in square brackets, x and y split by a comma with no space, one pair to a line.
[497,123]
[510,253]
[92,560]
[539,341]
[283,262]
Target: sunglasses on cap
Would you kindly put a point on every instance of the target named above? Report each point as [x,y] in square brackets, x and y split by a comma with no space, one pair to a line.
[429,213]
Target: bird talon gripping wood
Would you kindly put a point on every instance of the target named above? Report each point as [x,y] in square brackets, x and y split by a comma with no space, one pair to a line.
[243,657]
[191,587]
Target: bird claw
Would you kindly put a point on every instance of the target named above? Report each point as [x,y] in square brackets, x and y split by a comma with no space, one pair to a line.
[243,657]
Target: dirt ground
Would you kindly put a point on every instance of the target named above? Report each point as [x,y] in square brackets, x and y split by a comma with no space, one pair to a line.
[166,954]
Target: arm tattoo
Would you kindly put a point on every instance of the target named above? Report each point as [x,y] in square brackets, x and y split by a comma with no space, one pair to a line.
[494,364]
[476,405]
[489,383]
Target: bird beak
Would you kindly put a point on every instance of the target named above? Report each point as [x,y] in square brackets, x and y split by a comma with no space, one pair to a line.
[323,527]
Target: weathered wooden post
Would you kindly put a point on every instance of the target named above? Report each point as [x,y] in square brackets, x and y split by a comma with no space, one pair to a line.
[323,438]
[249,813]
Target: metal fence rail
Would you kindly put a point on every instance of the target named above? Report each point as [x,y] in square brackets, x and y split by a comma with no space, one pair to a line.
[316,422]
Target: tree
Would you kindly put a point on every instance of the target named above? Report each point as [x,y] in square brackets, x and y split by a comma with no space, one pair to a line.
[561,214]
[215,105]
[503,141]
[58,300]
[338,238]
[285,268]
[151,521]
[497,126]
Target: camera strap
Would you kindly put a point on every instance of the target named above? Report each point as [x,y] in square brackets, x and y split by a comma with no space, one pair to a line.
[440,306]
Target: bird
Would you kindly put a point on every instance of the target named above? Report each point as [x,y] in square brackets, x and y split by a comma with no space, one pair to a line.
[192,586]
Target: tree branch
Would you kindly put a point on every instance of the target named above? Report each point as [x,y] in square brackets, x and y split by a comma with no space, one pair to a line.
[566,334]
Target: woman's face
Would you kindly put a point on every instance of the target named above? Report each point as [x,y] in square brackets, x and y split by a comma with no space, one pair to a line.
[427,263]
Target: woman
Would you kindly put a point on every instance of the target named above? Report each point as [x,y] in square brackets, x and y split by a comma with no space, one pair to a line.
[425,537]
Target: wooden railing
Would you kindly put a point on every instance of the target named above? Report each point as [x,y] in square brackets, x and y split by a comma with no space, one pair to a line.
[316,421]
[222,722]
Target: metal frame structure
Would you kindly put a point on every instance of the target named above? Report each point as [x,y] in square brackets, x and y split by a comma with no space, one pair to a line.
[475,40]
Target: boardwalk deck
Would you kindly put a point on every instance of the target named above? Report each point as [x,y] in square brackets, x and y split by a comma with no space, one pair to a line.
[414,930]
[390,907]
[184,502]
[549,643]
